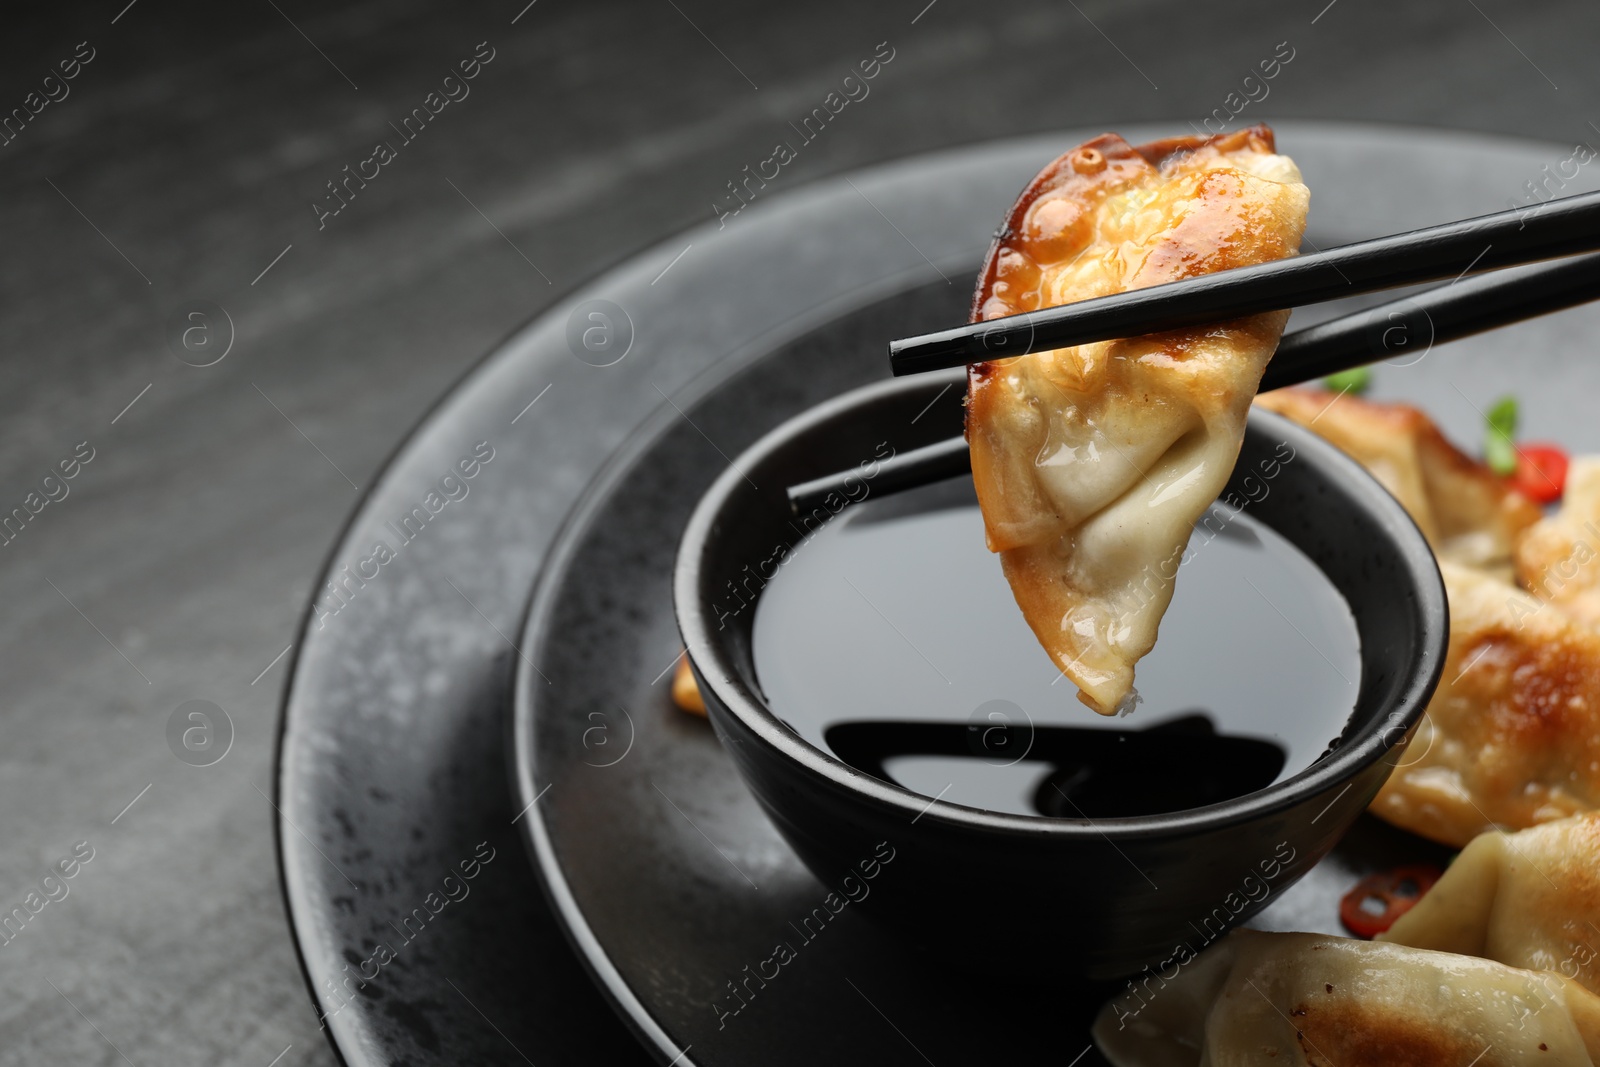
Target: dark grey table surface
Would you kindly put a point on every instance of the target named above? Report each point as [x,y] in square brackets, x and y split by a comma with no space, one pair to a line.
[180,165]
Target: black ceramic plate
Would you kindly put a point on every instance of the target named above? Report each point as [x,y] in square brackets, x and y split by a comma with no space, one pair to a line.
[393,756]
[676,888]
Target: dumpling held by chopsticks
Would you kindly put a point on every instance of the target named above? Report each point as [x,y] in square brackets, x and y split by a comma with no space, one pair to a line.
[1093,463]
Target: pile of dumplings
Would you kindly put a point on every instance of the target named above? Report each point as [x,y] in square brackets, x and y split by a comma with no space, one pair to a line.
[1498,964]
[1511,737]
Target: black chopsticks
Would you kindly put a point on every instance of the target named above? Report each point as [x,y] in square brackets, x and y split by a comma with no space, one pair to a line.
[1522,235]
[1402,331]
[920,466]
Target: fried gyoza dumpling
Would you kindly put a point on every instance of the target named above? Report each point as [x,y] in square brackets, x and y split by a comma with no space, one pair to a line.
[1312,1000]
[1559,557]
[1466,512]
[1092,463]
[1529,899]
[1497,956]
[1512,735]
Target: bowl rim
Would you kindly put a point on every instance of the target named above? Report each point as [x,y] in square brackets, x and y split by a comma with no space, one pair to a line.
[715,669]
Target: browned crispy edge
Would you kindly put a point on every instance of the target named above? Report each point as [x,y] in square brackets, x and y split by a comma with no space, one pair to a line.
[1060,172]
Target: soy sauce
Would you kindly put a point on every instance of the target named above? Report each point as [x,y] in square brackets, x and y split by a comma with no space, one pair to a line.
[890,639]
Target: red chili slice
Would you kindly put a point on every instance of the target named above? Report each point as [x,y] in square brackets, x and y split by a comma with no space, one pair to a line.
[1379,899]
[1541,472]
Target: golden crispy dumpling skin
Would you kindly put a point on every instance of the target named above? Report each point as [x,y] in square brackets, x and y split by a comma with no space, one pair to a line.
[1559,557]
[1512,735]
[1529,899]
[1496,964]
[1466,512]
[1311,1000]
[1092,463]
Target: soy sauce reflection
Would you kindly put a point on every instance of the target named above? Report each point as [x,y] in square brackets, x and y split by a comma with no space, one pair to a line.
[890,639]
[1072,772]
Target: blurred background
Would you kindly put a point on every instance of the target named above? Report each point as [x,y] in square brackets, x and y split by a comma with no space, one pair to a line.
[164,159]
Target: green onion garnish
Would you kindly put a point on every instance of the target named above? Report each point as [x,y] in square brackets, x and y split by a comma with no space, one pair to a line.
[1499,437]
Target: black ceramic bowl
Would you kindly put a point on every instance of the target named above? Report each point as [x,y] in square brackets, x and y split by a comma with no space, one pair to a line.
[1088,900]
